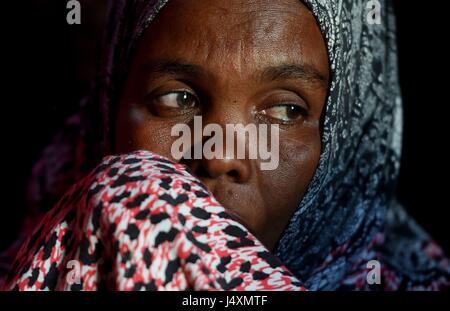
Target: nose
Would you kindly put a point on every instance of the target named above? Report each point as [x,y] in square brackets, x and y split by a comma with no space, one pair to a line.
[230,169]
[225,168]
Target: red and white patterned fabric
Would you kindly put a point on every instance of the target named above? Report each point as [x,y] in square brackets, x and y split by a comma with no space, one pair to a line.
[141,222]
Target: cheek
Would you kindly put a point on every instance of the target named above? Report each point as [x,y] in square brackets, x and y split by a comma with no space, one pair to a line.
[300,156]
[298,162]
[135,132]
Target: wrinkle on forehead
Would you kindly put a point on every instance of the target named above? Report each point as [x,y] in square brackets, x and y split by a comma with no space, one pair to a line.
[231,34]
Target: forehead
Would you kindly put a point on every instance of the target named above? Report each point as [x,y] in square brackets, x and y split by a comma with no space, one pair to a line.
[235,34]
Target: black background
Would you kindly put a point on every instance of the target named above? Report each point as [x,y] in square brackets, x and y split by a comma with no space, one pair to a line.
[47,65]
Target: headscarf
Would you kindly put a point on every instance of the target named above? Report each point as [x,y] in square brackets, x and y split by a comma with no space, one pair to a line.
[349,216]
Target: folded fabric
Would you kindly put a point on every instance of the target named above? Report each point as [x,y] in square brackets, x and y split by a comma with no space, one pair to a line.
[142,222]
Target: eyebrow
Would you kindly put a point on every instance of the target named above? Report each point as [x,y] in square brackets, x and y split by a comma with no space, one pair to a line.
[174,67]
[281,72]
[303,72]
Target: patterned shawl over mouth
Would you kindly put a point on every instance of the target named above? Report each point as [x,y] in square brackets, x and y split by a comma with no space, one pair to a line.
[349,215]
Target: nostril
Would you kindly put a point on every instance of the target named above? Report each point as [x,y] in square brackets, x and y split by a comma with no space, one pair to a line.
[233,170]
[234,174]
[202,172]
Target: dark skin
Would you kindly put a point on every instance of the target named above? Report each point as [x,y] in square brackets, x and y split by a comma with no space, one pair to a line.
[260,62]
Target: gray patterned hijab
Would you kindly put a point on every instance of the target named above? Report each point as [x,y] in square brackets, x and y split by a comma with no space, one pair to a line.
[349,215]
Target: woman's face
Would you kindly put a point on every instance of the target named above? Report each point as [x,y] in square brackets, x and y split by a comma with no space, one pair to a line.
[233,62]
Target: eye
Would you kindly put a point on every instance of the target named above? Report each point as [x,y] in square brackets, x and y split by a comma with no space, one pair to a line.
[286,113]
[178,99]
[172,103]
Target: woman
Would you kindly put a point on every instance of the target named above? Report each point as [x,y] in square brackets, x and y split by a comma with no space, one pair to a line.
[316,69]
